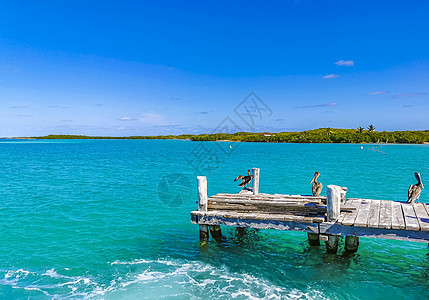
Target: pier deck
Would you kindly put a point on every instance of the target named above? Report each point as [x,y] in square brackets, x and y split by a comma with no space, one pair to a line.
[323,218]
[358,217]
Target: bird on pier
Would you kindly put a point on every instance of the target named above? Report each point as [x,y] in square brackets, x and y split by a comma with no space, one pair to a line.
[245,180]
[317,186]
[415,190]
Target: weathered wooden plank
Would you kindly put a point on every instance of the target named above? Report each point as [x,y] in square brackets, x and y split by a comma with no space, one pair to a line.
[263,202]
[291,200]
[362,214]
[385,214]
[261,224]
[370,232]
[374,213]
[398,221]
[267,196]
[422,216]
[349,218]
[411,222]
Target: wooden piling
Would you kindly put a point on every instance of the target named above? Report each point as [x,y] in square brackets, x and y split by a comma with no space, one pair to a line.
[343,194]
[333,200]
[202,206]
[241,231]
[216,232]
[255,173]
[313,239]
[351,244]
[332,244]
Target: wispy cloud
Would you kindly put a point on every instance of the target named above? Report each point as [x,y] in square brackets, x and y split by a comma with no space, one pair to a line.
[377,93]
[24,116]
[408,95]
[318,105]
[57,106]
[347,63]
[18,107]
[127,119]
[152,118]
[330,76]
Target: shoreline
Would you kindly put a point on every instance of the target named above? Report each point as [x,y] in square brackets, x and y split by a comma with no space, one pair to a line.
[321,135]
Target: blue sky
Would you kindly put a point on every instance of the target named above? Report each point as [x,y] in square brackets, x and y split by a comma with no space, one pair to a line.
[170,67]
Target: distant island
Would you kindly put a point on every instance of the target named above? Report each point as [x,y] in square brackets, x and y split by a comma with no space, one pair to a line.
[321,135]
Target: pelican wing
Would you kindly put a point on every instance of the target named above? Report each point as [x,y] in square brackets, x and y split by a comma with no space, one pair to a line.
[410,191]
[239,177]
[317,188]
[414,193]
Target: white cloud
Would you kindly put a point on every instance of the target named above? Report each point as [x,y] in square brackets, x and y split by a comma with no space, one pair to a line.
[408,95]
[330,76]
[127,119]
[347,63]
[377,93]
[152,119]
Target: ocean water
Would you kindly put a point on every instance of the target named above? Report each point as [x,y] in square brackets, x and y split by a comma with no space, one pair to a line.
[110,219]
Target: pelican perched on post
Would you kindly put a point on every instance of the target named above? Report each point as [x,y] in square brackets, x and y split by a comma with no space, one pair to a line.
[317,186]
[415,190]
[245,180]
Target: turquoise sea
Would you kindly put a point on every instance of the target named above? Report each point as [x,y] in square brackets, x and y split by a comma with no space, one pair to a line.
[111,219]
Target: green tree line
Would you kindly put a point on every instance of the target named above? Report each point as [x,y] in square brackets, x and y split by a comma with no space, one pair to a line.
[321,135]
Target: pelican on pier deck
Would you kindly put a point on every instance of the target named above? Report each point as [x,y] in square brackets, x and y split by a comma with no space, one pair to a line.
[317,186]
[415,190]
[245,180]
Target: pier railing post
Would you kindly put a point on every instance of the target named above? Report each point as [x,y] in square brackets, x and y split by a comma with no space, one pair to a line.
[333,201]
[202,206]
[255,173]
[202,193]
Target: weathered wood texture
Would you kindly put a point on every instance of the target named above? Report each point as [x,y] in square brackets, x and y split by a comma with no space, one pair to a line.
[202,193]
[357,218]
[333,200]
[255,173]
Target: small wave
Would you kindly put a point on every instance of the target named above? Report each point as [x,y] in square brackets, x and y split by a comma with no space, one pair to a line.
[157,278]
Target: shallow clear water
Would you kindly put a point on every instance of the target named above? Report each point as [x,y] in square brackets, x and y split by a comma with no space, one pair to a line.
[110,219]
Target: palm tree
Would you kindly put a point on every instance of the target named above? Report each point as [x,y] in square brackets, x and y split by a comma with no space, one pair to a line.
[360,129]
[371,128]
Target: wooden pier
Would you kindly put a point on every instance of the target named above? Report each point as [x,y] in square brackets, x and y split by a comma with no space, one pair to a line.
[323,218]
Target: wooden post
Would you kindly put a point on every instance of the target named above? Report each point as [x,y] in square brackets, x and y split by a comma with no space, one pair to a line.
[352,244]
[313,239]
[332,244]
[343,194]
[333,200]
[241,231]
[216,232]
[202,206]
[255,173]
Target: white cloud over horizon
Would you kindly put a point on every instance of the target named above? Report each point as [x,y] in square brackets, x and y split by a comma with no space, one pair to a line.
[346,63]
[331,76]
[377,93]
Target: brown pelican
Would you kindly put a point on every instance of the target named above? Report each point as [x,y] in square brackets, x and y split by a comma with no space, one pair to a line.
[415,190]
[244,179]
[317,186]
